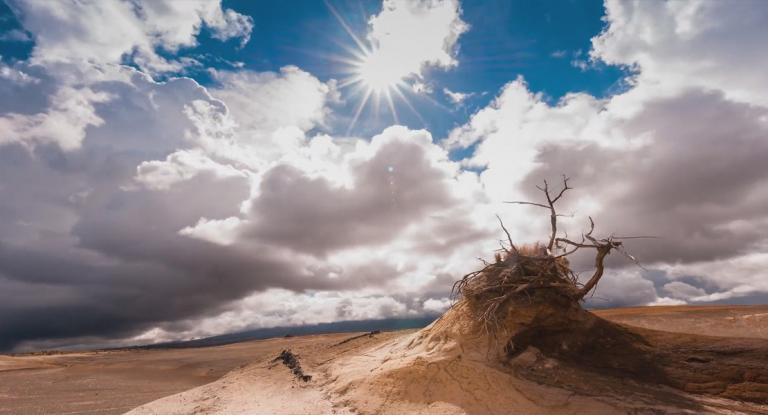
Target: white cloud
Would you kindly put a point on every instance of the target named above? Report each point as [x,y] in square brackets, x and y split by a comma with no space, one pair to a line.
[263,102]
[412,35]
[16,76]
[457,97]
[110,31]
[181,166]
[621,287]
[703,44]
[71,112]
[421,88]
[436,305]
[222,232]
[683,291]
[277,307]
[177,24]
[666,301]
[732,277]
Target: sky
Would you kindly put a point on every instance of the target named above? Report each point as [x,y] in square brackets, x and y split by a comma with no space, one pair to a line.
[171,170]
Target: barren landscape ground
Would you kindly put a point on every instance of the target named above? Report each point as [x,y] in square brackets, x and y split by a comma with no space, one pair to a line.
[113,382]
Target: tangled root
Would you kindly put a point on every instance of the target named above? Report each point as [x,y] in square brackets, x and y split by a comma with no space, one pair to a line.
[525,275]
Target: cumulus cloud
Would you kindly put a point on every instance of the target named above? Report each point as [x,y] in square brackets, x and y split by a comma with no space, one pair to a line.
[182,166]
[113,31]
[703,44]
[120,234]
[390,182]
[71,111]
[414,34]
[271,109]
[15,75]
[436,305]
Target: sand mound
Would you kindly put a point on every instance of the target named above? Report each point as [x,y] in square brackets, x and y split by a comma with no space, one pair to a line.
[431,373]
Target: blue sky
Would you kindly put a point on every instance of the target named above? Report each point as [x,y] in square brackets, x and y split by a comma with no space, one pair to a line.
[205,152]
[506,39]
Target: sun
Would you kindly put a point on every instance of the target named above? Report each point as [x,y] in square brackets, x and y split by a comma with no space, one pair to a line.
[374,75]
[378,72]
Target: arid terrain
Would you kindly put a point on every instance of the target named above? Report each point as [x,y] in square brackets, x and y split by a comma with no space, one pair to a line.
[246,378]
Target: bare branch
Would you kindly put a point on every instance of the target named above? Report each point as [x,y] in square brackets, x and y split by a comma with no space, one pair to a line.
[503,248]
[602,252]
[509,238]
[528,203]
[591,225]
[576,244]
[575,247]
[565,188]
[553,215]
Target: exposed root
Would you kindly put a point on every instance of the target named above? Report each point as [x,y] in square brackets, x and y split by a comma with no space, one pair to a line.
[516,277]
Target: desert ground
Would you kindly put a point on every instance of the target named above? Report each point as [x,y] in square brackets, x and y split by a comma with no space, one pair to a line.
[354,373]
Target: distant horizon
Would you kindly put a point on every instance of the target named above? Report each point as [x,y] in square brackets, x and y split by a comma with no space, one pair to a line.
[335,327]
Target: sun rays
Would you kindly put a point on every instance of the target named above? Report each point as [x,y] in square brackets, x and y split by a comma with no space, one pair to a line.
[374,76]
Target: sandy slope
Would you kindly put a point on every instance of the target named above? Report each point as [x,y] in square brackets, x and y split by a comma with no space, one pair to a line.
[400,372]
[113,382]
[429,372]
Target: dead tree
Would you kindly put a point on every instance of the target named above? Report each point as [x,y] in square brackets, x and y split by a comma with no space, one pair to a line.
[529,300]
[534,273]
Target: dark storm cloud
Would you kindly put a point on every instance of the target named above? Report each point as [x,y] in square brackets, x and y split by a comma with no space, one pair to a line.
[68,297]
[81,255]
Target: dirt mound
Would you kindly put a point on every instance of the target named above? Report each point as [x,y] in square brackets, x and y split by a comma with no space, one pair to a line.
[451,368]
